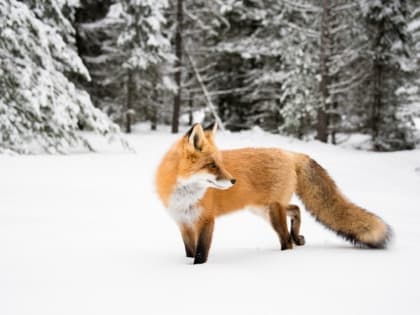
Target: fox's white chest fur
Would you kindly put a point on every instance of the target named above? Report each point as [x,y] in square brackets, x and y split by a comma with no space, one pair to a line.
[183,203]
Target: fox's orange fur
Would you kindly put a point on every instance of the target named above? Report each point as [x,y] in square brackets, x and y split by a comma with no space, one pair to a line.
[197,183]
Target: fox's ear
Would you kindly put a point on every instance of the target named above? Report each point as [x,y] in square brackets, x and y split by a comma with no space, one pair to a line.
[196,137]
[212,127]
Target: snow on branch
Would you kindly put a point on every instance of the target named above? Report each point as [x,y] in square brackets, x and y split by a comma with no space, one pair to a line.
[308,32]
[205,91]
[346,85]
[303,7]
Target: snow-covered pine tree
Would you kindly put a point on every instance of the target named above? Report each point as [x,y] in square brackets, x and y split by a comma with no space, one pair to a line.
[388,47]
[39,104]
[231,68]
[290,67]
[261,59]
[201,21]
[147,57]
[268,60]
[414,29]
[127,51]
[99,24]
[179,25]
[330,34]
[342,40]
[325,52]
[409,92]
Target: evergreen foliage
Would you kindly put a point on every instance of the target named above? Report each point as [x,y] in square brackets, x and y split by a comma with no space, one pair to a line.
[129,56]
[39,103]
[387,64]
[308,68]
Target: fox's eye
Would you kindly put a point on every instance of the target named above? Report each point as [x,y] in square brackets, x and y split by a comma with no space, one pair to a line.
[211,165]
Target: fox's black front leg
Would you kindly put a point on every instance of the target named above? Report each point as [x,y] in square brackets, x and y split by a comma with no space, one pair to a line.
[205,234]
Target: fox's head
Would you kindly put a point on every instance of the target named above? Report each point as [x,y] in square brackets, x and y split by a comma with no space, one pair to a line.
[201,162]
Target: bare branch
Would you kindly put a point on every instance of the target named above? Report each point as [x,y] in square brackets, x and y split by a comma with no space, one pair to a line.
[206,93]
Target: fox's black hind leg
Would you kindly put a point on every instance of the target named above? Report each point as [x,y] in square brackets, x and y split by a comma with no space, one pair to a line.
[293,212]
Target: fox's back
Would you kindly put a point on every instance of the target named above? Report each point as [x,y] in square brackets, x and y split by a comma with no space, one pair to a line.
[262,175]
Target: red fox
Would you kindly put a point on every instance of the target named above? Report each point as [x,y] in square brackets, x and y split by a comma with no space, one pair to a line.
[196,182]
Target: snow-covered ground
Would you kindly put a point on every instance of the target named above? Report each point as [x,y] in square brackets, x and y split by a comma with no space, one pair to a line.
[86,234]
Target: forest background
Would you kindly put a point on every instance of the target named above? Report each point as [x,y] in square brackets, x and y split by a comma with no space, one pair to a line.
[310,69]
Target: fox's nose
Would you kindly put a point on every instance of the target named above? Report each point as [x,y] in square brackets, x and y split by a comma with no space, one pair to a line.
[233,181]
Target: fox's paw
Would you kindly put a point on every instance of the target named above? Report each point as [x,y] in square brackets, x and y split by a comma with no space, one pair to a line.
[299,240]
[189,253]
[287,245]
[199,259]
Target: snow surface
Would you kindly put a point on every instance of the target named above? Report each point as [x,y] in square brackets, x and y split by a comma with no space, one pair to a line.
[86,234]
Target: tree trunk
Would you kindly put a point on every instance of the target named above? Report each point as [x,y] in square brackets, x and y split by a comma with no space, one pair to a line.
[377,91]
[322,116]
[377,102]
[129,105]
[178,73]
[154,118]
[191,107]
[333,120]
[334,116]
[154,112]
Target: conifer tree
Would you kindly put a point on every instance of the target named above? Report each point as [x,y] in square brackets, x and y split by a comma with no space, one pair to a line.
[129,56]
[39,102]
[388,46]
[409,92]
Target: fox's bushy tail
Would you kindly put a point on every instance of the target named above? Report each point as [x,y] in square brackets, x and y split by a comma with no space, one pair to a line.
[328,205]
